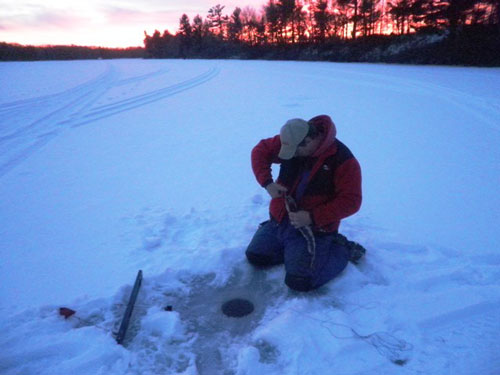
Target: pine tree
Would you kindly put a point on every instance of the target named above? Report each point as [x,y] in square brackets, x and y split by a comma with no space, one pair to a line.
[235,25]
[322,21]
[197,32]
[343,17]
[286,10]
[369,16]
[300,18]
[217,20]
[272,19]
[185,35]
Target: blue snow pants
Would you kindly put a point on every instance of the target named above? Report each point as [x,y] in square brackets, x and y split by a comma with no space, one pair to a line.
[277,243]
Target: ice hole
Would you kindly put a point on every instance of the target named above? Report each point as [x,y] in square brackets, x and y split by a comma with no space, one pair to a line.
[237,308]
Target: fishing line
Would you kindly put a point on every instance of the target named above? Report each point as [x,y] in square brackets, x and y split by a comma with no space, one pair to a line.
[385,343]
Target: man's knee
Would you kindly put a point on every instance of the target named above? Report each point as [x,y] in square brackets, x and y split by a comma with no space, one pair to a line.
[299,283]
[259,260]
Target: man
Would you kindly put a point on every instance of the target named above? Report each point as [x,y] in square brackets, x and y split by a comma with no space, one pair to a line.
[319,184]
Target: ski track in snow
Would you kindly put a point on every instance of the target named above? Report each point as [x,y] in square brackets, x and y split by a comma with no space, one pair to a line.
[79,108]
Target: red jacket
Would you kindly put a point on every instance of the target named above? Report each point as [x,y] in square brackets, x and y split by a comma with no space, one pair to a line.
[333,189]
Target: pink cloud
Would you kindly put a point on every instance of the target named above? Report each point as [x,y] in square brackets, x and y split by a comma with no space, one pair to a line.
[42,19]
[60,20]
[119,16]
[120,25]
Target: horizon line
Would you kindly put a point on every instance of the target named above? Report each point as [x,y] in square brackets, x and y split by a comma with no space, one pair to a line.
[66,45]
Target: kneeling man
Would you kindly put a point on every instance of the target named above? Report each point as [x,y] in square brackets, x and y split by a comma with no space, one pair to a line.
[319,184]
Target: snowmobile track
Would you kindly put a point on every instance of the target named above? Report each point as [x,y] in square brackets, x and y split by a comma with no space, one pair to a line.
[78,109]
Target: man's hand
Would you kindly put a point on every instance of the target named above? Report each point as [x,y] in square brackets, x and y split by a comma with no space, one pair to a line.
[276,190]
[300,219]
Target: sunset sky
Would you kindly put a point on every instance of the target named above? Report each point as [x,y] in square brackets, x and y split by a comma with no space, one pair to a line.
[110,23]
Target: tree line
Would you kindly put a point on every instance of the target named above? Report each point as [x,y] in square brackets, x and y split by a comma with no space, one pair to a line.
[465,32]
[315,26]
[17,52]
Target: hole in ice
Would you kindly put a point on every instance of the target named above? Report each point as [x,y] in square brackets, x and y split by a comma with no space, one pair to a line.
[237,307]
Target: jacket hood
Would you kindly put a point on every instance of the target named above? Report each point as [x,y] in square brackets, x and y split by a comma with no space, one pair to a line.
[326,126]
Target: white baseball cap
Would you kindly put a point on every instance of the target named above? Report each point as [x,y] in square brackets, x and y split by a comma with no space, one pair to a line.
[291,134]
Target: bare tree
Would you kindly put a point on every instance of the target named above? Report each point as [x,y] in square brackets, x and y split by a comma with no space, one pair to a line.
[249,20]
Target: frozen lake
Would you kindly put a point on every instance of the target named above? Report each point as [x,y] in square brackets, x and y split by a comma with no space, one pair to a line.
[107,167]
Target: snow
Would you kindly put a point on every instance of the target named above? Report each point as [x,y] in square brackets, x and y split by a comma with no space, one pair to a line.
[108,167]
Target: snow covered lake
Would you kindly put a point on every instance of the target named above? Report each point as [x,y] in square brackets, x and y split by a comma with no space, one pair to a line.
[108,167]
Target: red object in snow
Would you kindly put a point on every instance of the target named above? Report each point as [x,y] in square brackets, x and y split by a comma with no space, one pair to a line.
[66,312]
